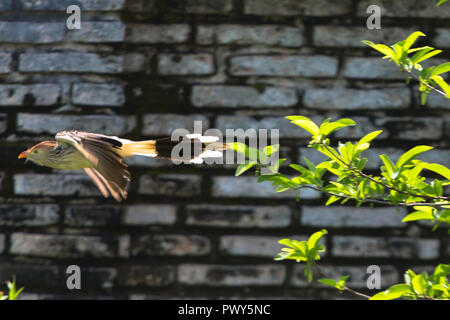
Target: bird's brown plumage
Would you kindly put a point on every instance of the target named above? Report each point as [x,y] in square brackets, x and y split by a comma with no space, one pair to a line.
[100,156]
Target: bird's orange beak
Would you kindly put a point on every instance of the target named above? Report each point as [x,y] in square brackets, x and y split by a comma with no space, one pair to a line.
[23,155]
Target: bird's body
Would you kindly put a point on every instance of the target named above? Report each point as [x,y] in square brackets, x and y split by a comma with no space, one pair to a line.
[102,156]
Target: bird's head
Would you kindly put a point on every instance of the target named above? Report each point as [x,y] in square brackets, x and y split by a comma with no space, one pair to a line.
[38,153]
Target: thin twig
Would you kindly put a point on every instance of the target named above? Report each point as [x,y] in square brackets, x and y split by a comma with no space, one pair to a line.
[378,201]
[380,182]
[426,84]
[322,274]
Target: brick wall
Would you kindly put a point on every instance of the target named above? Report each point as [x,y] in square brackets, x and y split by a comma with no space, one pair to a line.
[140,69]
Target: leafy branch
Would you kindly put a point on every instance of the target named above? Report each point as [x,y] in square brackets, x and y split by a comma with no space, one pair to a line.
[13,293]
[416,286]
[399,184]
[409,59]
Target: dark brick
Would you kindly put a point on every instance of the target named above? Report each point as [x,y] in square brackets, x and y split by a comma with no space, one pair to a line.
[233,186]
[170,245]
[145,214]
[275,35]
[5,5]
[343,36]
[231,275]
[5,62]
[410,128]
[341,217]
[242,96]
[92,216]
[357,99]
[2,243]
[294,7]
[3,122]
[255,246]
[70,61]
[29,215]
[149,33]
[68,184]
[98,32]
[98,94]
[180,185]
[42,94]
[146,276]
[29,275]
[61,5]
[405,8]
[64,246]
[31,32]
[165,124]
[52,124]
[286,66]
[237,216]
[201,6]
[185,64]
[97,277]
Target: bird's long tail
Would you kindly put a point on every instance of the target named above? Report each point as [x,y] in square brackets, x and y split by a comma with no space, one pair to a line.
[191,148]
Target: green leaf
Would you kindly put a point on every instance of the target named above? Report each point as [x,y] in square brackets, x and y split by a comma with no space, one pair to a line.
[300,169]
[390,167]
[244,167]
[441,2]
[423,98]
[277,165]
[327,127]
[419,284]
[411,39]
[268,150]
[338,284]
[418,215]
[250,153]
[426,56]
[419,54]
[287,242]
[305,123]
[332,199]
[388,52]
[442,68]
[369,137]
[444,85]
[394,292]
[411,154]
[315,238]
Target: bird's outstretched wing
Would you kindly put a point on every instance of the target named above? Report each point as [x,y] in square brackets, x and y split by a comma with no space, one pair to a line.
[109,172]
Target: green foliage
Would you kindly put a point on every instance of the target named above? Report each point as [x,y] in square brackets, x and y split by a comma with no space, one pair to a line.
[341,176]
[441,2]
[399,182]
[420,286]
[430,213]
[338,284]
[256,158]
[303,251]
[13,293]
[410,59]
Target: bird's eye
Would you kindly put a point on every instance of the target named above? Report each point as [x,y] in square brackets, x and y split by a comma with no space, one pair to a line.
[35,152]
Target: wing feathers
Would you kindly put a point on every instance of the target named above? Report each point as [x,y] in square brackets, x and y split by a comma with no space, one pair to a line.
[109,171]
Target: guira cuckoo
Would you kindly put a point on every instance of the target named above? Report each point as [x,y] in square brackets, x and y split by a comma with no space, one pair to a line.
[102,156]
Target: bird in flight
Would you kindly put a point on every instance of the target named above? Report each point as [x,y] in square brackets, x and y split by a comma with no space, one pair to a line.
[102,156]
